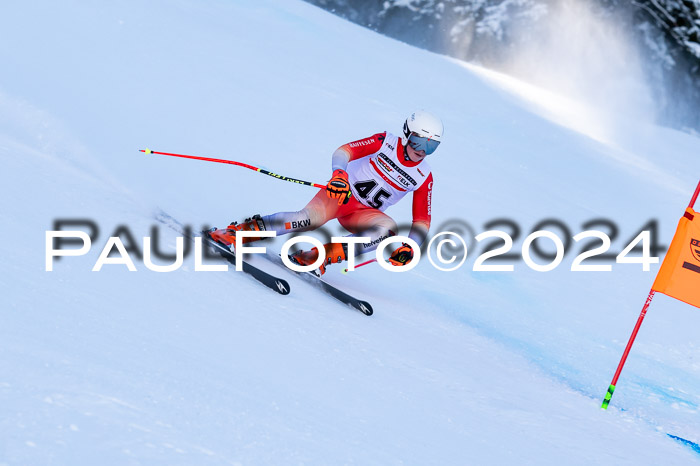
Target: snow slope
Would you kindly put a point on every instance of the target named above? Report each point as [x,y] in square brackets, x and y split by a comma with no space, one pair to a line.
[139,367]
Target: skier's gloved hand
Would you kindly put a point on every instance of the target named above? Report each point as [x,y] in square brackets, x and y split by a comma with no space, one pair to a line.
[402,255]
[339,187]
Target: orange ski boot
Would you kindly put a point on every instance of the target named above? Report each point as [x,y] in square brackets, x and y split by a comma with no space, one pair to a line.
[227,236]
[335,253]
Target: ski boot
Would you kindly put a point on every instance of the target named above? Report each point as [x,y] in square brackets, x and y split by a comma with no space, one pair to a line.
[335,253]
[227,236]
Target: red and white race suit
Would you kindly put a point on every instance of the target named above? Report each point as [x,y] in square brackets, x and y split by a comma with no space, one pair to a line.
[379,176]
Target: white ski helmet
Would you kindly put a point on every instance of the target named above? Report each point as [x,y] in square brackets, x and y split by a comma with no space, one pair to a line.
[423,131]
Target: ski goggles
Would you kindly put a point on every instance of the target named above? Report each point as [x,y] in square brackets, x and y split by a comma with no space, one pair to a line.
[419,143]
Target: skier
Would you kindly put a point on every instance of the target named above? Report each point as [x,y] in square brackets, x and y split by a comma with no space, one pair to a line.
[369,175]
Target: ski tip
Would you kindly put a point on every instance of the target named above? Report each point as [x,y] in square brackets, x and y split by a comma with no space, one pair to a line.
[282,286]
[147,150]
[365,308]
[345,271]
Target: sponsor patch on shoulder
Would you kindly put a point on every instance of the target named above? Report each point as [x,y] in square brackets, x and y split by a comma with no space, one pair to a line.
[362,142]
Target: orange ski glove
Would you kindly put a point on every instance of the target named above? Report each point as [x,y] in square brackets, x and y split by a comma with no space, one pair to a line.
[339,187]
[402,255]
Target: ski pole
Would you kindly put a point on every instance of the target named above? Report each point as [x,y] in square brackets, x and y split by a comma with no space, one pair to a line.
[360,265]
[240,164]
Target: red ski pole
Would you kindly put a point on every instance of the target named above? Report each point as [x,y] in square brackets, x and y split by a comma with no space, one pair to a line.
[360,265]
[240,164]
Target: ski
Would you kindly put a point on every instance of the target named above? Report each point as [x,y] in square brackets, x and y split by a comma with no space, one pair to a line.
[310,277]
[276,284]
